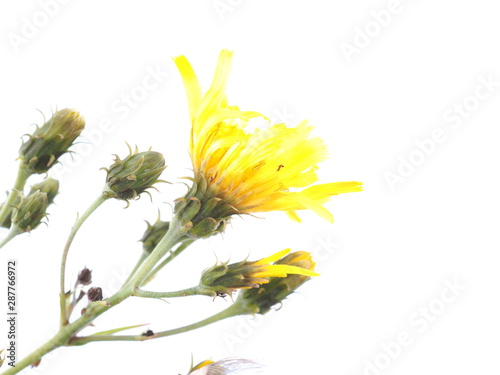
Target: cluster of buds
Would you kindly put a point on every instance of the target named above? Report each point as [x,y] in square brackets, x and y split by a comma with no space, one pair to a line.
[263,274]
[49,186]
[126,179]
[53,139]
[93,294]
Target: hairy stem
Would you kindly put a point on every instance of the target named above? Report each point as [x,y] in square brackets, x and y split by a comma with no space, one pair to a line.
[194,291]
[67,331]
[175,232]
[167,260]
[74,230]
[142,258]
[233,310]
[14,231]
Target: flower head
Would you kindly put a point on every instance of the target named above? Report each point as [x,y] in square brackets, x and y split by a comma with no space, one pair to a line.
[224,278]
[31,210]
[153,235]
[128,178]
[262,299]
[48,186]
[237,171]
[48,142]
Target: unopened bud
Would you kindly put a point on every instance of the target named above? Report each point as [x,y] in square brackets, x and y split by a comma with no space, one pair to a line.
[31,210]
[128,178]
[94,294]
[153,235]
[48,142]
[84,277]
[48,186]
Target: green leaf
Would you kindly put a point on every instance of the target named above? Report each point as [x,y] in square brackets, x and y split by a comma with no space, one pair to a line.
[111,331]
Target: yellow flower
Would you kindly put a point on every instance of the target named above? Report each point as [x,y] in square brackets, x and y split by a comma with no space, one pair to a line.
[224,279]
[227,366]
[270,294]
[247,172]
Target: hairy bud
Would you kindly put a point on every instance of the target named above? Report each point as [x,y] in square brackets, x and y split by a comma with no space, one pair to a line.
[47,143]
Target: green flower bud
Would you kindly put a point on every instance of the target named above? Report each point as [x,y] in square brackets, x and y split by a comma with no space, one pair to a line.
[30,212]
[8,217]
[128,178]
[153,234]
[49,186]
[48,142]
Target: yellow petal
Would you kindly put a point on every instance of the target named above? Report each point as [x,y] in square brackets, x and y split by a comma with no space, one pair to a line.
[216,95]
[191,84]
[293,215]
[283,270]
[314,206]
[273,258]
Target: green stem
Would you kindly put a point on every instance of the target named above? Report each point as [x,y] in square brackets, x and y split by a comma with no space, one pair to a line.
[143,257]
[23,174]
[38,353]
[167,260]
[72,234]
[234,310]
[65,333]
[67,330]
[14,231]
[175,232]
[195,291]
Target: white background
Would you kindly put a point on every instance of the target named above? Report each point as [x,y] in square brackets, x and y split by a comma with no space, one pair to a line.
[390,253]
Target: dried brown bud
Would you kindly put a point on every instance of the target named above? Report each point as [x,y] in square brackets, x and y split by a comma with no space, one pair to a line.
[84,277]
[94,294]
